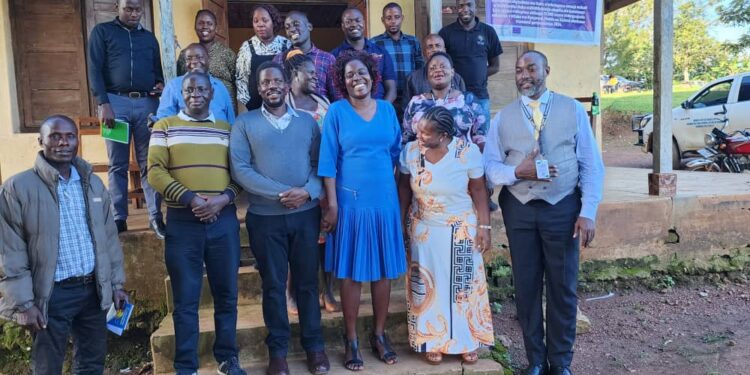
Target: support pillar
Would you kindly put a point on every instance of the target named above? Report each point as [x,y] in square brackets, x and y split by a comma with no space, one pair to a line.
[436,15]
[167,42]
[663,182]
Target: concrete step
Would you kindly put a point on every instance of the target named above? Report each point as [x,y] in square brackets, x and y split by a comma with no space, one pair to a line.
[251,333]
[250,290]
[410,363]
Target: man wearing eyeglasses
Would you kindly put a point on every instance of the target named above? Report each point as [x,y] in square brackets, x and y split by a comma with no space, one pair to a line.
[172,101]
[188,162]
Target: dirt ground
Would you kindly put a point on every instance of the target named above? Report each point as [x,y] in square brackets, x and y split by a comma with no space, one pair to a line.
[617,146]
[700,330]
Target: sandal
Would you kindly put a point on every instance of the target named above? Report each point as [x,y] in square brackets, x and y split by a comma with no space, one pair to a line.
[381,347]
[433,358]
[470,357]
[355,362]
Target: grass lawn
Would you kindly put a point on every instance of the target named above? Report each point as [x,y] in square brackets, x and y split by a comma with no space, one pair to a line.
[642,102]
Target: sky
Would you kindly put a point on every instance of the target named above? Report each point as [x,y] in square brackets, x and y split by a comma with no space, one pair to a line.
[723,33]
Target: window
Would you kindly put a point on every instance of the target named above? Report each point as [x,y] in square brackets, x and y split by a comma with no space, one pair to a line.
[717,94]
[744,90]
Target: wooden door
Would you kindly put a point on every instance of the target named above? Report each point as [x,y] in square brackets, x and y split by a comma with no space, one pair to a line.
[219,7]
[50,62]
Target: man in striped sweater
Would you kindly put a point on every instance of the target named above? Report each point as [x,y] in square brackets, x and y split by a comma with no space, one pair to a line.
[188,162]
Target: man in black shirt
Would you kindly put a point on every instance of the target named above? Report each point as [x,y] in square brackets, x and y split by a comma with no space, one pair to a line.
[124,69]
[475,50]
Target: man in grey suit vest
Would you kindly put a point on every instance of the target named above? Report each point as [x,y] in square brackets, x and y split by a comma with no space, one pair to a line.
[545,216]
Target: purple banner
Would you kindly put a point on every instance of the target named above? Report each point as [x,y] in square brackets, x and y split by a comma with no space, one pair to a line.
[546,21]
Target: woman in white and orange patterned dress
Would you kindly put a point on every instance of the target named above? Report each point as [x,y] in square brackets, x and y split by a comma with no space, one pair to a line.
[444,200]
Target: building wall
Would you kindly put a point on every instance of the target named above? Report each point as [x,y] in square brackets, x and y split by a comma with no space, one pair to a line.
[574,70]
[17,151]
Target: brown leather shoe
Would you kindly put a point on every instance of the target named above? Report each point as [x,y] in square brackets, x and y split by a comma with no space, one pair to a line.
[317,363]
[277,366]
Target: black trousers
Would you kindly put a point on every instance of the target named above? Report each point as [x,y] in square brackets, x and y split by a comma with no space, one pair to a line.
[542,248]
[281,243]
[72,309]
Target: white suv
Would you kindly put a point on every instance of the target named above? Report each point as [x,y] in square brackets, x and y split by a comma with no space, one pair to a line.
[699,114]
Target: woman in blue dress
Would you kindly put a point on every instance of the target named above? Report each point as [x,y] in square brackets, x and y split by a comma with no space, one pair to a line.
[359,150]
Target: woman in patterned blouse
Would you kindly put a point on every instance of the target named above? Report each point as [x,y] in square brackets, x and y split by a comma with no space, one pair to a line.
[222,58]
[262,47]
[467,113]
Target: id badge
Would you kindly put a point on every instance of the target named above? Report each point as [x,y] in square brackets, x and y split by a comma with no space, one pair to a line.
[542,169]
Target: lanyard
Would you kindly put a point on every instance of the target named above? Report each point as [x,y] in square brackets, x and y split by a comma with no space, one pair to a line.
[545,115]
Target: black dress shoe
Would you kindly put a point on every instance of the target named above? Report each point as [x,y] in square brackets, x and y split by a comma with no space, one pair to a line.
[157,225]
[122,226]
[537,370]
[560,370]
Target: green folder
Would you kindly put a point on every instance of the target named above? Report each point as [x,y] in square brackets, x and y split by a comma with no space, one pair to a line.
[120,133]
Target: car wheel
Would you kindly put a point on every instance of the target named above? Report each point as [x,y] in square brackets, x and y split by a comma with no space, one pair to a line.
[676,157]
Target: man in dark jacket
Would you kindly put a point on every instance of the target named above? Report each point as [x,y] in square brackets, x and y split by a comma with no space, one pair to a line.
[124,67]
[61,264]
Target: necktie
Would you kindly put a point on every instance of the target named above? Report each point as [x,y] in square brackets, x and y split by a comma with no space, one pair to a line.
[536,115]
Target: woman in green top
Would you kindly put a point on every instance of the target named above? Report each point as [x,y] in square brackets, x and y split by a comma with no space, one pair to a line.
[222,59]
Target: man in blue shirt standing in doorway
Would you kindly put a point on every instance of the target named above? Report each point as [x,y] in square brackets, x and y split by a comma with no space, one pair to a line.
[404,49]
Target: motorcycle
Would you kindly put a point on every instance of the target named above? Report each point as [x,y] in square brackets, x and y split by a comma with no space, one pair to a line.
[723,152]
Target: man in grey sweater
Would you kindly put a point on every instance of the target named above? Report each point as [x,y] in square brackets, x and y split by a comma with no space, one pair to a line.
[274,152]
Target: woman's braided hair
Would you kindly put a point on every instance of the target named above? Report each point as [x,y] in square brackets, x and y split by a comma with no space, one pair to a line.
[441,120]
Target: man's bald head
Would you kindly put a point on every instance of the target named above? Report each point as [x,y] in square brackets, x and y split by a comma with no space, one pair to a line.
[542,58]
[129,12]
[44,128]
[432,43]
[58,137]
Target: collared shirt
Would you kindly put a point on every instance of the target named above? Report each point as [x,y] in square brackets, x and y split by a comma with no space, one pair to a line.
[245,56]
[280,123]
[186,117]
[385,65]
[471,51]
[323,61]
[406,54]
[222,65]
[172,100]
[75,255]
[590,165]
[122,60]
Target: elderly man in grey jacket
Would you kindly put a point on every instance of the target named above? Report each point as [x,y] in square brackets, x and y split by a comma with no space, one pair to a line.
[61,264]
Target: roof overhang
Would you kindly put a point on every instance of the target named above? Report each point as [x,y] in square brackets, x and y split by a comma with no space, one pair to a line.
[613,5]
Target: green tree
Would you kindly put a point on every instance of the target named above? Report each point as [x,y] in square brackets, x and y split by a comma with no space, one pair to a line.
[694,49]
[736,13]
[628,41]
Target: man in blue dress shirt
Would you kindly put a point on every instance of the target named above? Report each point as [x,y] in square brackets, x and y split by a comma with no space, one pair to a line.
[545,216]
[353,26]
[403,48]
[196,61]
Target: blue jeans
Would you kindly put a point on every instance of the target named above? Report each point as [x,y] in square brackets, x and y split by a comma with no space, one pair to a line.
[72,309]
[134,112]
[281,243]
[189,244]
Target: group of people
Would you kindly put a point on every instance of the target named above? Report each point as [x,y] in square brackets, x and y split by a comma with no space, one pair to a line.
[370,162]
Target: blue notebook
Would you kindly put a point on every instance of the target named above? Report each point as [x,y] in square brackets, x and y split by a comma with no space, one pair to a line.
[117,320]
